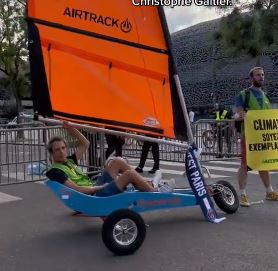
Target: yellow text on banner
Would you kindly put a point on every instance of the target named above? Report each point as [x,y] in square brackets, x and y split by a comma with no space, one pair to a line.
[261,134]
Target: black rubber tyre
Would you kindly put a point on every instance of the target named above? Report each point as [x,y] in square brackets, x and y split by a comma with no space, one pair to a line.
[209,139]
[225,197]
[123,232]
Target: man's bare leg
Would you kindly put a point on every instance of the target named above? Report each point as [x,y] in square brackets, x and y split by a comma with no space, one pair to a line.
[242,171]
[242,180]
[242,176]
[131,176]
[117,166]
[128,175]
[265,179]
[270,193]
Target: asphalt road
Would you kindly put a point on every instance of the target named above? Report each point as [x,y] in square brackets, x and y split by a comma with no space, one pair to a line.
[37,233]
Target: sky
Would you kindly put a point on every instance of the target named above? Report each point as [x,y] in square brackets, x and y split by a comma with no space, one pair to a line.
[181,17]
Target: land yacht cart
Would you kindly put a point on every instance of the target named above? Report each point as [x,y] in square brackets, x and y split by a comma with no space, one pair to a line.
[104,64]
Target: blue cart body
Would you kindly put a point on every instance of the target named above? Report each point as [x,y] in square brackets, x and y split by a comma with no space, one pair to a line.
[136,201]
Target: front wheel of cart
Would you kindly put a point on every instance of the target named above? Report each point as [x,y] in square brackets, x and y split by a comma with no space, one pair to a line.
[225,197]
[123,232]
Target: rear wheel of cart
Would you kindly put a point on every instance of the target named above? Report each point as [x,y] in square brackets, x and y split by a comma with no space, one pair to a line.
[123,232]
[225,197]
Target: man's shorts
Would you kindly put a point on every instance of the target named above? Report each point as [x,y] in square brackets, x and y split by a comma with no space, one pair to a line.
[104,178]
[110,189]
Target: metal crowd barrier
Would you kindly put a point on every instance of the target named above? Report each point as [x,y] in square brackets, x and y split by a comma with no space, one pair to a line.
[218,140]
[24,157]
[23,151]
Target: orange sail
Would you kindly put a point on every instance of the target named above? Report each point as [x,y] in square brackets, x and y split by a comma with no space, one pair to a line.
[104,63]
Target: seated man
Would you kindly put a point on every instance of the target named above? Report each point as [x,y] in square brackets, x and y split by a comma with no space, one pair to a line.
[113,180]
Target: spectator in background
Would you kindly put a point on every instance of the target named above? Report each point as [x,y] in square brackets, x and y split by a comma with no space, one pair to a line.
[94,159]
[145,150]
[223,129]
[115,143]
[191,116]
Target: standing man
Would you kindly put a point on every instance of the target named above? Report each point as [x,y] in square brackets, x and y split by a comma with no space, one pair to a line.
[223,129]
[252,98]
[144,155]
[191,116]
[114,143]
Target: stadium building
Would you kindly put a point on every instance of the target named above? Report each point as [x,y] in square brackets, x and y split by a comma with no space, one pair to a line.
[208,76]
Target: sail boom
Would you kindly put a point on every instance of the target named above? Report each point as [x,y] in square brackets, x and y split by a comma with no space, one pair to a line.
[94,129]
[107,123]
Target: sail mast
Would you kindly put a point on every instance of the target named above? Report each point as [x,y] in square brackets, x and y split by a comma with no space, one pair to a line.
[174,70]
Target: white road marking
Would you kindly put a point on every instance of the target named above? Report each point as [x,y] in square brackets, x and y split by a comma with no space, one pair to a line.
[171,171]
[22,177]
[236,163]
[256,172]
[167,163]
[180,172]
[222,168]
[233,170]
[225,162]
[7,198]
[257,202]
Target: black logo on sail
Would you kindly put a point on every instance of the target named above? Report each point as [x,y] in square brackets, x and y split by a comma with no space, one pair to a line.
[126,26]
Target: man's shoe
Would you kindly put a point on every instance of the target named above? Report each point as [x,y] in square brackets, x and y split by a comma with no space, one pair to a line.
[272,196]
[157,178]
[153,170]
[165,188]
[139,170]
[244,201]
[170,182]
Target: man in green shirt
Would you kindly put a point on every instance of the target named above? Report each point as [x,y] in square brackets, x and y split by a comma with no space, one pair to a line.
[252,98]
[113,179]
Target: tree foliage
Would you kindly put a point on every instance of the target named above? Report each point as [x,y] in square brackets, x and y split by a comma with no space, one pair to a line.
[250,28]
[13,49]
